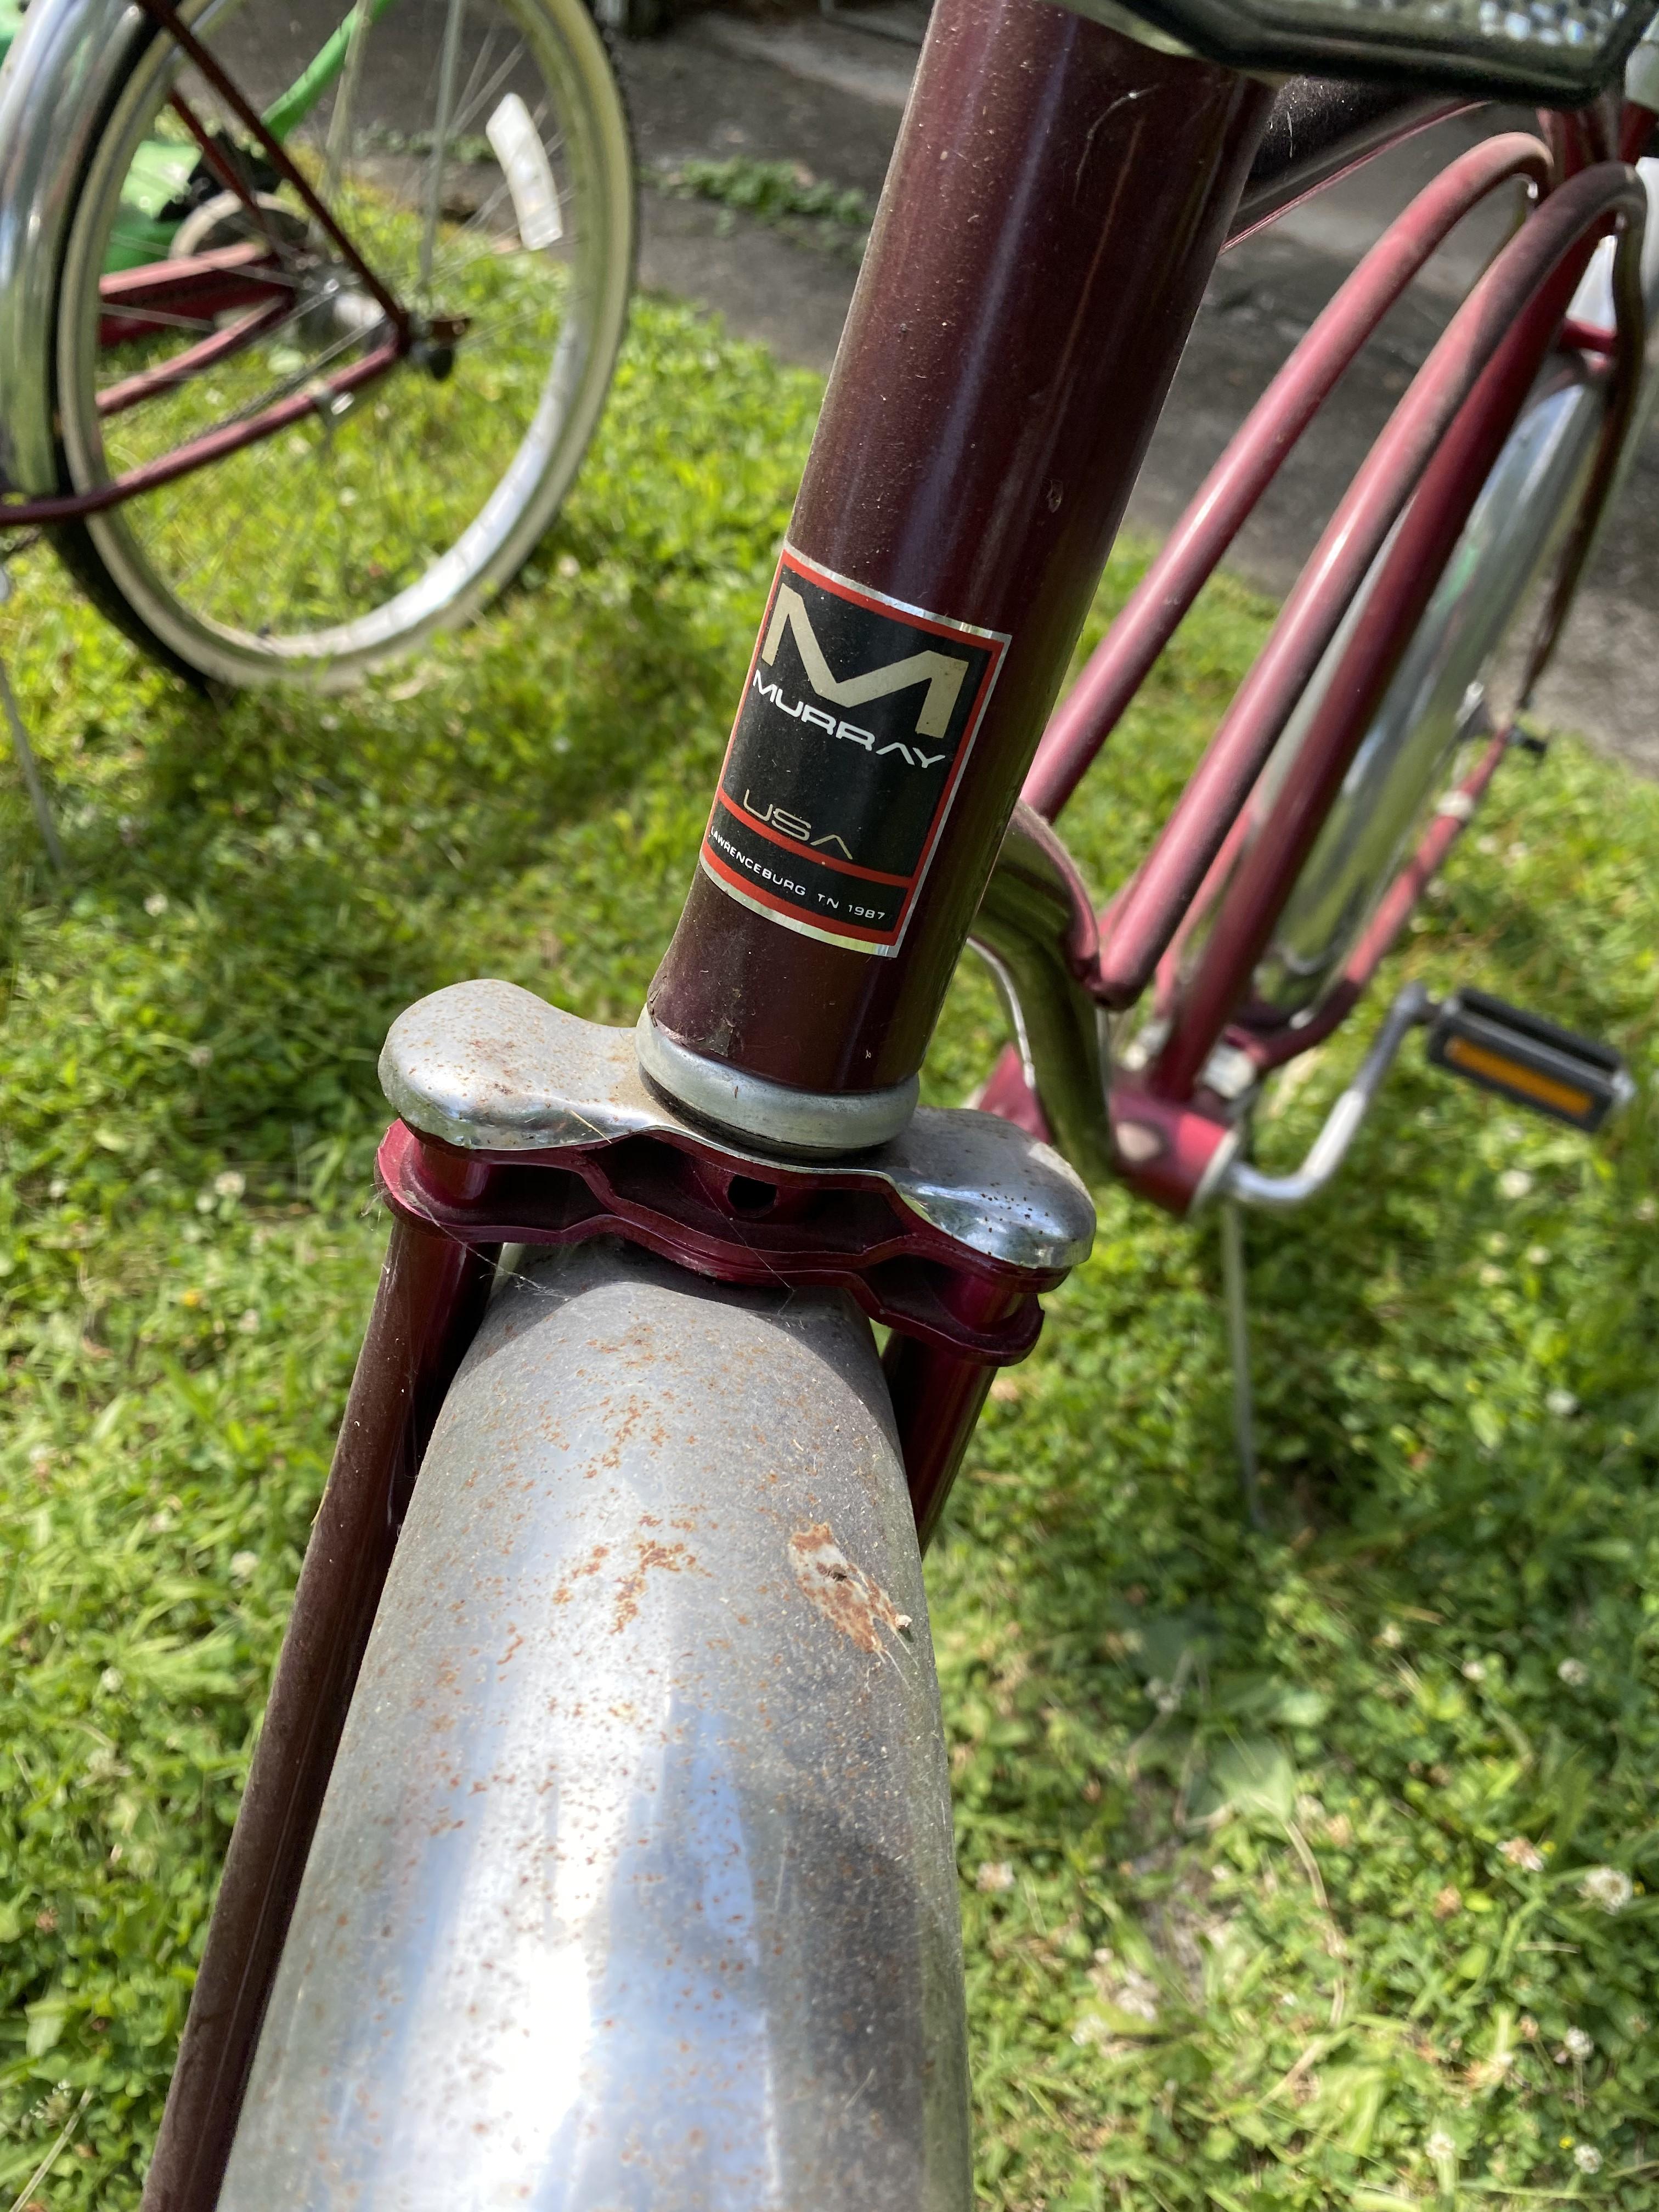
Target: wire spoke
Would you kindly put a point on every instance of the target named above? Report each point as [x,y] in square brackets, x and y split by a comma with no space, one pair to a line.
[311,527]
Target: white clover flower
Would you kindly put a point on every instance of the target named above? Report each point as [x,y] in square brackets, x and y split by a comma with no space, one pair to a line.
[1578,2045]
[1587,2158]
[1515,1183]
[1138,1998]
[1473,1670]
[1647,1209]
[200,1055]
[242,1565]
[1562,1404]
[1538,1255]
[110,1681]
[249,1324]
[1523,1854]
[1574,1673]
[1124,1988]
[230,1184]
[1610,1887]
[156,903]
[994,1876]
[1440,2147]
[1391,1636]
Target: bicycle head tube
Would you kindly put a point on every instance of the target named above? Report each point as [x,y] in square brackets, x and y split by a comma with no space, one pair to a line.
[1057,199]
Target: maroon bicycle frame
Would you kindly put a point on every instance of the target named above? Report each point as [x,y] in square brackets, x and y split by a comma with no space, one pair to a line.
[1057,201]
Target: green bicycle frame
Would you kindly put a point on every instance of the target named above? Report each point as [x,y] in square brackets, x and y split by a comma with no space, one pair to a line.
[163,167]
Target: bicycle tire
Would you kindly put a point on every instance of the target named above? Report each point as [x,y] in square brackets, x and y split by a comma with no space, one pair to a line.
[634,1887]
[431,494]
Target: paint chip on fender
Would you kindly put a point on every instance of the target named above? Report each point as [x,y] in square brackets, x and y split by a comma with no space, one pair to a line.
[847,1597]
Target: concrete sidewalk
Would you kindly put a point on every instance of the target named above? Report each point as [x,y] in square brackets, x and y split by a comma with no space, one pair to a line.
[829,98]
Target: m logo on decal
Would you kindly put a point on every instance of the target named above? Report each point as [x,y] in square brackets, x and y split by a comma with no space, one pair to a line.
[942,673]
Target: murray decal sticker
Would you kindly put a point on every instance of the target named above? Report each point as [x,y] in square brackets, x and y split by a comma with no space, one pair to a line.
[856,724]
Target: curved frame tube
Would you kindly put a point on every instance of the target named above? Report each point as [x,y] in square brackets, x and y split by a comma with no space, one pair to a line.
[1409,573]
[1035,931]
[1121,661]
[1542,259]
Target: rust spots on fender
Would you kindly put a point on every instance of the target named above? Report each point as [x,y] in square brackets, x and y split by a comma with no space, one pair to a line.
[590,1565]
[649,1556]
[847,1597]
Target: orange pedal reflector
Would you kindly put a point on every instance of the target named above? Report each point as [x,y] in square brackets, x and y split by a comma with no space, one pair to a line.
[1536,1063]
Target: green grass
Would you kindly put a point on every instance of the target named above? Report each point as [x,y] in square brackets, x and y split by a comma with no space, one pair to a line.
[333,517]
[808,209]
[1274,1849]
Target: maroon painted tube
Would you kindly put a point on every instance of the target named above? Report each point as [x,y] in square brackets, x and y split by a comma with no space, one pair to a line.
[223,345]
[431,1296]
[214,155]
[1055,206]
[1119,664]
[1636,129]
[1146,916]
[133,302]
[1267,873]
[212,445]
[938,1395]
[937,1402]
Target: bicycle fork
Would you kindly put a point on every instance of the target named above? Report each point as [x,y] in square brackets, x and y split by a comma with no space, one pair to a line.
[1058,197]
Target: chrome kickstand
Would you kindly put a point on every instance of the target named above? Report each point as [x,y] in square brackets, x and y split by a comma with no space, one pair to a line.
[1235,1290]
[30,767]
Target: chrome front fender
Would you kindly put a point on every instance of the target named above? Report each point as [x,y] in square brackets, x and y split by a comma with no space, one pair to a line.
[634,1890]
[55,91]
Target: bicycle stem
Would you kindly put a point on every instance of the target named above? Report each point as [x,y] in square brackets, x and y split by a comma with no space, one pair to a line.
[1058,197]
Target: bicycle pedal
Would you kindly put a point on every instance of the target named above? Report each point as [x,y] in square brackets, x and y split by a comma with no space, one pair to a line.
[1533,1062]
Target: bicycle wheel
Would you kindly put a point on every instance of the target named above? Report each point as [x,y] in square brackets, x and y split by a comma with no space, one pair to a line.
[476,153]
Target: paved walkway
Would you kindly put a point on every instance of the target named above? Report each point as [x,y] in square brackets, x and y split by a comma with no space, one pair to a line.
[807,90]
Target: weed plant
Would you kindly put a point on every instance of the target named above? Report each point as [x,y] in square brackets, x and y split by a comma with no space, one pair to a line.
[808,209]
[1300,1871]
